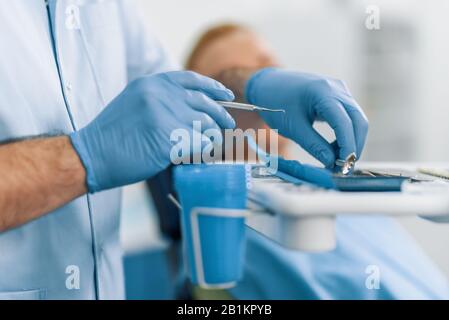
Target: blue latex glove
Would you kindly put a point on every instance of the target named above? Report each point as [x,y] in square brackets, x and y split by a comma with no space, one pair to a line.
[307,98]
[130,140]
[305,172]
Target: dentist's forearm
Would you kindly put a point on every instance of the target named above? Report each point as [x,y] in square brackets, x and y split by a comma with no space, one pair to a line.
[37,176]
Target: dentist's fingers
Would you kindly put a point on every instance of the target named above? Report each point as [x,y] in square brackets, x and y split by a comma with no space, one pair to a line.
[319,176]
[333,112]
[360,123]
[200,102]
[317,146]
[206,121]
[193,81]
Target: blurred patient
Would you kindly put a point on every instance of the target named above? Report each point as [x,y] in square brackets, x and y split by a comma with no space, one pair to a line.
[232,46]
[374,259]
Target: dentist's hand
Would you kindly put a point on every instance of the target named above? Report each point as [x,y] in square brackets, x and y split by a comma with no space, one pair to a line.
[130,140]
[306,99]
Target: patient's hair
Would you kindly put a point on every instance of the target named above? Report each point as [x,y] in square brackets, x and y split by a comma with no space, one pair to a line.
[212,34]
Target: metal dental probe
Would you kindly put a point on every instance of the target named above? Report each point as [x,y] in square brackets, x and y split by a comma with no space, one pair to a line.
[247,107]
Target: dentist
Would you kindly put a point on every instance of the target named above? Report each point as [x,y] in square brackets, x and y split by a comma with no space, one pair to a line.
[88,99]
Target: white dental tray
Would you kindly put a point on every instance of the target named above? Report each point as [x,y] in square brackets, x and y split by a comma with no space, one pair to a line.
[304,215]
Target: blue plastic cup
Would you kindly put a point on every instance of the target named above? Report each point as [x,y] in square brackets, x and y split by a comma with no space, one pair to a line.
[213,199]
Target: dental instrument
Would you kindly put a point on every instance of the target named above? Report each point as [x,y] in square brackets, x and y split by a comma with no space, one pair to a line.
[247,107]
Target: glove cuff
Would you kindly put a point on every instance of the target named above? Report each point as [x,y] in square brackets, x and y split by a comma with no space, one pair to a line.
[251,84]
[78,144]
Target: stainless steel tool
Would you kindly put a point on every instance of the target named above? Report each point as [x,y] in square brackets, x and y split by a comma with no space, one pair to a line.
[247,107]
[345,166]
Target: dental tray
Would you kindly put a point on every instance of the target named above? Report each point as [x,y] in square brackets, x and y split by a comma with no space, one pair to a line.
[394,189]
[304,214]
[377,180]
[367,184]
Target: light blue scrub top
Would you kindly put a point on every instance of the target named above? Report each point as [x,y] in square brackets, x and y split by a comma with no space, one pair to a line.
[97,55]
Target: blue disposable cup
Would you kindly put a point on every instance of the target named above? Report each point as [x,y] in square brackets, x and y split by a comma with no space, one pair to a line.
[213,199]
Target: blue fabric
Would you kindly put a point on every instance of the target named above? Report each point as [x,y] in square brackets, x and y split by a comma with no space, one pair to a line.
[100,46]
[273,272]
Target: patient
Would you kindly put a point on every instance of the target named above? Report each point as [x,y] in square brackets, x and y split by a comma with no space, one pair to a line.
[231,46]
[365,245]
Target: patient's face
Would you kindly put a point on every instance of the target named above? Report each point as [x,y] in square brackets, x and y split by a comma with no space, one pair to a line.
[237,49]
